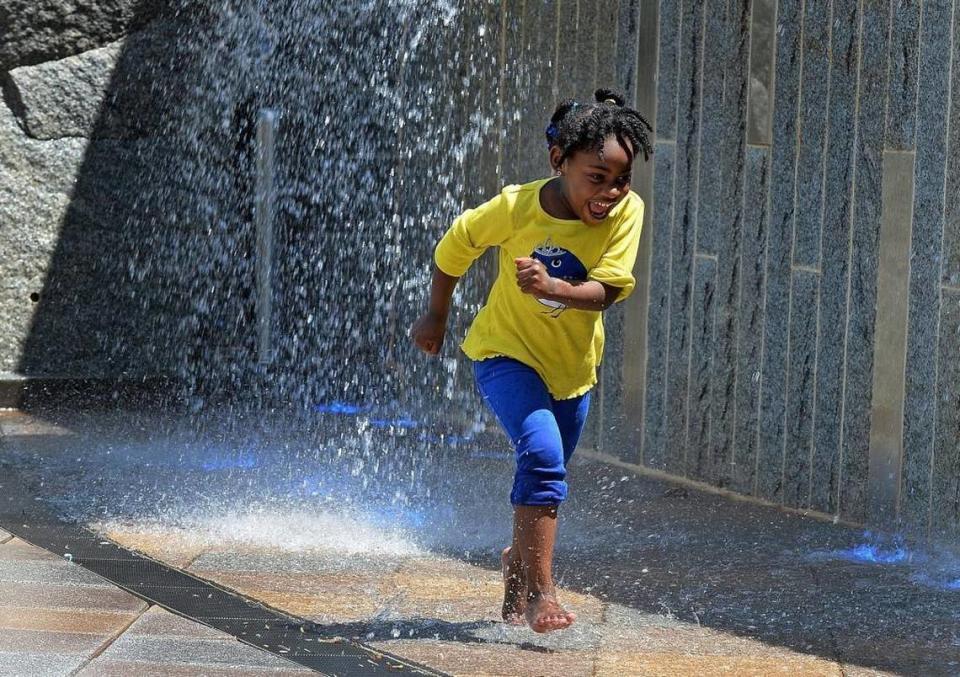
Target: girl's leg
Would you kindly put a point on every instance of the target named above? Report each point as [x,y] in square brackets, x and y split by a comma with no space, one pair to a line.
[524,408]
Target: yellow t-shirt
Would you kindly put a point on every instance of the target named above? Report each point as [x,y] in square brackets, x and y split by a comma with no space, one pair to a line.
[564,345]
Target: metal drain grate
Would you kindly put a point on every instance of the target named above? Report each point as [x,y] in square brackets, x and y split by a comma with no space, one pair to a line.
[294,639]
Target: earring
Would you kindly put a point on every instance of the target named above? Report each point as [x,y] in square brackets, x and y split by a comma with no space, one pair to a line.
[559,173]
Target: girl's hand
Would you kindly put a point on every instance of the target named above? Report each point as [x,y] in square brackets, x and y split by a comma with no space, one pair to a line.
[427,333]
[533,278]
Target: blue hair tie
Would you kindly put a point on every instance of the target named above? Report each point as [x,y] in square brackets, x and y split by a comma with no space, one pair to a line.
[551,132]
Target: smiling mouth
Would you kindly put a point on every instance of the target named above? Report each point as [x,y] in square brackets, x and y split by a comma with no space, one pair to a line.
[599,209]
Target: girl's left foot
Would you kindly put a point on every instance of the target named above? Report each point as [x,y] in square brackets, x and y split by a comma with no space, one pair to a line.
[514,589]
[544,613]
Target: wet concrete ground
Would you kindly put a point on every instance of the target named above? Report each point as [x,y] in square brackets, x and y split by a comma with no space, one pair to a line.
[666,581]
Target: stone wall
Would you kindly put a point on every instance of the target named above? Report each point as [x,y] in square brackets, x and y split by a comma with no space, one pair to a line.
[796,320]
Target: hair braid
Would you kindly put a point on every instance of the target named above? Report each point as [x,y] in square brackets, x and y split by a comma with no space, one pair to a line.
[575,126]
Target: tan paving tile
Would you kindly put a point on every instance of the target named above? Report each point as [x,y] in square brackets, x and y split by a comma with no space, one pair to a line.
[18,550]
[490,659]
[18,423]
[688,641]
[58,620]
[111,668]
[51,596]
[5,536]
[617,664]
[158,622]
[42,641]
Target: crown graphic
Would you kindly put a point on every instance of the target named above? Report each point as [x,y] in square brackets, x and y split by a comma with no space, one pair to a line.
[547,248]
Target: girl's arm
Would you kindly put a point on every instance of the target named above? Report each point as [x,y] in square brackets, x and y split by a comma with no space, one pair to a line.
[429,330]
[533,278]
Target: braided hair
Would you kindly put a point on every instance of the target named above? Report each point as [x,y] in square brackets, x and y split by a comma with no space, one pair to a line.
[577,126]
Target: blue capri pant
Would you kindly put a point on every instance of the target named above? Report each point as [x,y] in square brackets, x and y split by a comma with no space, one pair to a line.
[544,431]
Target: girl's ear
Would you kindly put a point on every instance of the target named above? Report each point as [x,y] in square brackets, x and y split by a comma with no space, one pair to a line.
[555,161]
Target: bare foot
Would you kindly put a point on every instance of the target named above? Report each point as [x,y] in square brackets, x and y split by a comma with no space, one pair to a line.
[544,613]
[514,589]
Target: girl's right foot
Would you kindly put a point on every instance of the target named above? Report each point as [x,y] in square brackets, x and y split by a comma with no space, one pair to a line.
[514,589]
[544,613]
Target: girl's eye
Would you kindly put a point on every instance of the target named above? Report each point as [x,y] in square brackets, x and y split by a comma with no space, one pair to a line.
[596,178]
[623,180]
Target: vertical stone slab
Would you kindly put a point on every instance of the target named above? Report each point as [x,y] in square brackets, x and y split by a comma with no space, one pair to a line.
[730,222]
[750,320]
[812,128]
[945,489]
[515,91]
[950,275]
[607,46]
[861,309]
[838,173]
[801,382]
[627,46]
[681,246]
[587,44]
[668,65]
[886,434]
[635,315]
[780,236]
[762,38]
[568,17]
[490,42]
[699,463]
[712,132]
[654,453]
[536,93]
[925,253]
[902,95]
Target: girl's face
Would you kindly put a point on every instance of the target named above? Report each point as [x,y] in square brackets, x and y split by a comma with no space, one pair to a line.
[594,182]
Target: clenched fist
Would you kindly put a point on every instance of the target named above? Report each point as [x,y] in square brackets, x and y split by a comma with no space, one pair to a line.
[533,278]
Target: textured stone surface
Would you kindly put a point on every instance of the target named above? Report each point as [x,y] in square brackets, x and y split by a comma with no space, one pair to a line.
[698,461]
[800,382]
[668,77]
[654,430]
[903,59]
[835,253]
[945,479]
[950,274]
[812,131]
[683,233]
[780,236]
[762,41]
[925,261]
[750,320]
[64,98]
[864,240]
[624,60]
[43,30]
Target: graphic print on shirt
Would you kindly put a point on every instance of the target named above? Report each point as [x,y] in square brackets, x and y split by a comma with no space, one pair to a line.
[561,264]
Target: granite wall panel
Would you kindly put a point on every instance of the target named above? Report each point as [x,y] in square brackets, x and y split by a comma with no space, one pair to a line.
[838,174]
[627,46]
[750,320]
[945,488]
[779,239]
[864,241]
[682,235]
[950,274]
[712,133]
[654,452]
[698,463]
[812,132]
[668,65]
[762,40]
[801,382]
[925,258]
[903,64]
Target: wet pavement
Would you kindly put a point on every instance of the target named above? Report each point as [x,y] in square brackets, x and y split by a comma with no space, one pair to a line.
[665,580]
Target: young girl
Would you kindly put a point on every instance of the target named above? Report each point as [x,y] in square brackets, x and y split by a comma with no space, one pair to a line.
[567,248]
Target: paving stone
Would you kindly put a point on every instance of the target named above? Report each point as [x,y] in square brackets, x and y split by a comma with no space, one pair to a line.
[53,596]
[57,620]
[31,663]
[674,664]
[4,536]
[43,641]
[60,572]
[160,622]
[18,550]
[186,651]
[111,668]
[491,659]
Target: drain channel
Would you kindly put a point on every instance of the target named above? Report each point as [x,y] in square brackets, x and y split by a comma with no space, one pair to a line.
[286,636]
